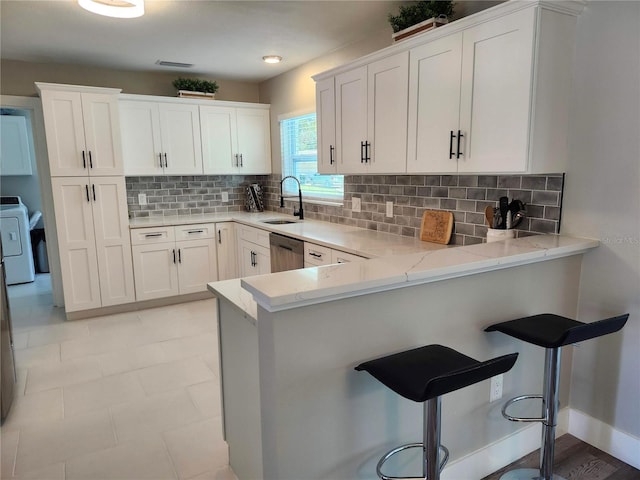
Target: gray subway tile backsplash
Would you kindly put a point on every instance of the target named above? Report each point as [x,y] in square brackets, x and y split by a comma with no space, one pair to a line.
[465,195]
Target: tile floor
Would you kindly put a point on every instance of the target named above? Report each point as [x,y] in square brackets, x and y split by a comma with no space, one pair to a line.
[123,397]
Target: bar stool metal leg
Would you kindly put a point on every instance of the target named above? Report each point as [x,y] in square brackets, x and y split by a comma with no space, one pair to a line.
[549,419]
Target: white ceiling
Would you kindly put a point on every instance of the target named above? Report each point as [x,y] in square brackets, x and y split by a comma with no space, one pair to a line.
[223,39]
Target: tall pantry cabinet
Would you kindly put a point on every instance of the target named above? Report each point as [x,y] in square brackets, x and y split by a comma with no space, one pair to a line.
[85,155]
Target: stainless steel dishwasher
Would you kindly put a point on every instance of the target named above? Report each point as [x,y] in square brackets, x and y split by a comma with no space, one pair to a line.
[286,253]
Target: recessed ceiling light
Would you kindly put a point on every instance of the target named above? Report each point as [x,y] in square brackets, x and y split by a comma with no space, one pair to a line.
[114,8]
[272,59]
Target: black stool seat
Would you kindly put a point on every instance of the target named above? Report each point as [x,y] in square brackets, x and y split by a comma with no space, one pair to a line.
[427,372]
[553,331]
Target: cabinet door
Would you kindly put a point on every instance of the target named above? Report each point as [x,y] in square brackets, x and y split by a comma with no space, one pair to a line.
[351,119]
[113,244]
[254,140]
[76,243]
[156,270]
[197,265]
[253,259]
[219,140]
[64,131]
[180,130]
[387,92]
[15,152]
[434,105]
[326,125]
[497,62]
[227,257]
[141,143]
[102,134]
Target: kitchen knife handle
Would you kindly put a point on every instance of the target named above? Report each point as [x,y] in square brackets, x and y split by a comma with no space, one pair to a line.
[84,160]
[451,144]
[460,135]
[331,149]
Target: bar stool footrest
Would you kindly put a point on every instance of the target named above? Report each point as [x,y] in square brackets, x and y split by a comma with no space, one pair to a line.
[521,419]
[399,449]
[527,474]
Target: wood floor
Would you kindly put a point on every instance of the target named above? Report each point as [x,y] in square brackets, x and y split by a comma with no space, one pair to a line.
[576,460]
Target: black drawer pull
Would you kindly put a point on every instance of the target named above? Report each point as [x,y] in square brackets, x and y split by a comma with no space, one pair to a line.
[150,235]
[195,231]
[219,236]
[314,254]
[331,149]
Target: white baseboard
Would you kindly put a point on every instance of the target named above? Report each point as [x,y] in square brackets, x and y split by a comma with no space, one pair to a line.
[498,454]
[619,444]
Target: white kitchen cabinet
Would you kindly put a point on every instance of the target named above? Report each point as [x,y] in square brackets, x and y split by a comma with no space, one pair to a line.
[254,255]
[371,116]
[93,238]
[227,250]
[338,256]
[319,255]
[173,260]
[82,130]
[235,140]
[326,125]
[15,151]
[160,137]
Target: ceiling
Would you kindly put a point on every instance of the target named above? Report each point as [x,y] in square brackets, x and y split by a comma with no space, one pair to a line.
[223,39]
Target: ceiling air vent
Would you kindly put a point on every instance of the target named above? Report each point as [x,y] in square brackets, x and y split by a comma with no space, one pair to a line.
[164,63]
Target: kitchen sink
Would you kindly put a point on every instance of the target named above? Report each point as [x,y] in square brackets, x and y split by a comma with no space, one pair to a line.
[278,221]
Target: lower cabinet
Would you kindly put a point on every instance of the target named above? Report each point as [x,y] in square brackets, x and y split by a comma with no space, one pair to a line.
[227,250]
[254,255]
[318,255]
[173,260]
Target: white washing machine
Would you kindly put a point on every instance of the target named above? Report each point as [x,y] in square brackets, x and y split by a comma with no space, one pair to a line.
[16,241]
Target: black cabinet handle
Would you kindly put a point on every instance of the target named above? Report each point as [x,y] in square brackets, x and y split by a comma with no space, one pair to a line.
[314,254]
[451,144]
[241,161]
[165,161]
[459,137]
[219,236]
[367,150]
[179,255]
[150,235]
[331,149]
[253,258]
[160,157]
[361,152]
[90,160]
[174,255]
[236,157]
[93,187]
[86,187]
[84,160]
[195,231]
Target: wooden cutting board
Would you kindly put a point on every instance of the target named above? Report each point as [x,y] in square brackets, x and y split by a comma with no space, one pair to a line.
[436,227]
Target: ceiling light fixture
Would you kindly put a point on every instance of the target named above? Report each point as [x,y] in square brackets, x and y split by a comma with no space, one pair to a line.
[114,8]
[272,59]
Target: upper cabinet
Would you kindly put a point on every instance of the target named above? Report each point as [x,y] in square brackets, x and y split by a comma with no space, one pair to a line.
[326,125]
[160,137]
[486,94]
[371,116]
[235,140]
[82,130]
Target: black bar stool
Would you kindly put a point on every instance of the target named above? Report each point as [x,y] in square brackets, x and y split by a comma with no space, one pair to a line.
[423,375]
[551,332]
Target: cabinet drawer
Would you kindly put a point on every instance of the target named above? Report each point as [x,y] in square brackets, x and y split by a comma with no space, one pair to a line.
[253,235]
[343,257]
[316,255]
[149,235]
[196,231]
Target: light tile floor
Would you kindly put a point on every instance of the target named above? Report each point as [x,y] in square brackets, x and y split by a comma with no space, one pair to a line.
[122,397]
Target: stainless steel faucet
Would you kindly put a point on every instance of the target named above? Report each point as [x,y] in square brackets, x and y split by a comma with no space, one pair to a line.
[300,212]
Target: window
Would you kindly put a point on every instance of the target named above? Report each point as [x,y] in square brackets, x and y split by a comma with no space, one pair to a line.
[299,144]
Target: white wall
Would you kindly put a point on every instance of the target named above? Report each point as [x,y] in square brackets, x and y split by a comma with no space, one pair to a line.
[602,200]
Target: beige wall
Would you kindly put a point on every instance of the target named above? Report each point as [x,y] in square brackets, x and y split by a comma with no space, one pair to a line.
[17,78]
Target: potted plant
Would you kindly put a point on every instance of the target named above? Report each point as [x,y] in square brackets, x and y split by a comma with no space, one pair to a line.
[194,87]
[420,17]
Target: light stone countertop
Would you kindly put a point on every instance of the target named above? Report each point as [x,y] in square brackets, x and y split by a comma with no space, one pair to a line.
[355,240]
[285,290]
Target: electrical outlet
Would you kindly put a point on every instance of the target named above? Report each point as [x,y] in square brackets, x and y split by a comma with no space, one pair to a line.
[225,196]
[390,209]
[496,387]
[142,199]
[355,204]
